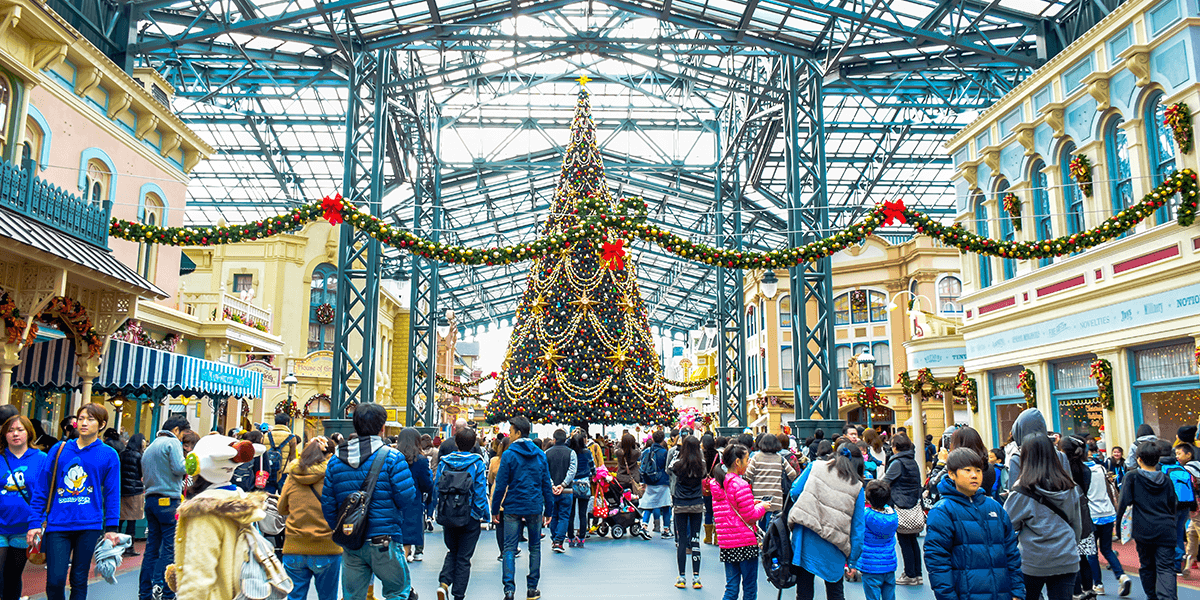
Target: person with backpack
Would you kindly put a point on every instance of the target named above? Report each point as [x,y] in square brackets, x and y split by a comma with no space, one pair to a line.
[827,519]
[1185,494]
[309,552]
[878,560]
[79,505]
[1148,491]
[1104,516]
[1185,454]
[971,549]
[770,475]
[524,492]
[281,451]
[563,464]
[23,468]
[462,505]
[656,499]
[382,485]
[688,501]
[1044,510]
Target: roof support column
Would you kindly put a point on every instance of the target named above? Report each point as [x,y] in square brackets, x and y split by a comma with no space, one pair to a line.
[731,337]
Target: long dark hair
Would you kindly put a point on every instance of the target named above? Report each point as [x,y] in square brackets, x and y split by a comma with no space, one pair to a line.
[406,443]
[691,459]
[1040,466]
[627,443]
[709,445]
[137,442]
[578,441]
[733,453]
[1076,452]
[967,437]
[848,461]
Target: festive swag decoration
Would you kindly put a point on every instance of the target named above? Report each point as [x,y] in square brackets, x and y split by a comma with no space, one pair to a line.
[964,389]
[313,400]
[1012,206]
[14,324]
[73,315]
[1102,372]
[869,398]
[331,208]
[287,407]
[581,349]
[706,381]
[1028,386]
[1179,118]
[465,384]
[1080,168]
[325,314]
[133,333]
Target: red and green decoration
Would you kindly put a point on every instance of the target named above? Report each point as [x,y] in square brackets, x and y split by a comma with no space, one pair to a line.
[581,349]
[1028,386]
[1179,118]
[1102,373]
[73,316]
[869,398]
[964,389]
[325,314]
[14,323]
[315,399]
[1012,206]
[287,407]
[1080,168]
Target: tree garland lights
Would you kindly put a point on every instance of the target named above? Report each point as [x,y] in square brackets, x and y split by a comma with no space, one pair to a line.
[1080,168]
[1028,386]
[1102,372]
[1179,118]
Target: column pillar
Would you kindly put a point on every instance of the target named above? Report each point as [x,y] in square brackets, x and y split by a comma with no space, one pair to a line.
[1120,419]
[88,369]
[918,430]
[9,359]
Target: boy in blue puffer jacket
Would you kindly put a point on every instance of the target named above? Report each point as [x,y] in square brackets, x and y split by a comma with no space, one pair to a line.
[970,546]
[878,560]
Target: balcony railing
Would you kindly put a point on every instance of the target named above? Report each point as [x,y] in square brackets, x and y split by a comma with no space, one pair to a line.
[24,193]
[217,306]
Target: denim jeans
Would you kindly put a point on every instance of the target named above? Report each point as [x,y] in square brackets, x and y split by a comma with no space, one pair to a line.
[12,565]
[1156,571]
[579,513]
[1104,540]
[1181,522]
[73,549]
[663,513]
[910,550]
[879,586]
[160,546]
[1058,587]
[560,516]
[745,574]
[513,525]
[456,569]
[322,570]
[385,562]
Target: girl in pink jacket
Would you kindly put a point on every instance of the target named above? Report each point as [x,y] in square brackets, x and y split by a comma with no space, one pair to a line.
[735,513]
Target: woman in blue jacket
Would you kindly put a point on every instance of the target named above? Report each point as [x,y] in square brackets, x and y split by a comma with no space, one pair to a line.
[408,443]
[84,491]
[23,468]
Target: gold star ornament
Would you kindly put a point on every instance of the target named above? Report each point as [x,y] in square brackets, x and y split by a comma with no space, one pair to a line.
[583,80]
[618,358]
[550,356]
[583,302]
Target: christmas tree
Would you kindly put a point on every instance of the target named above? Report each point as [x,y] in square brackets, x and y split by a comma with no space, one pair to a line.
[581,350]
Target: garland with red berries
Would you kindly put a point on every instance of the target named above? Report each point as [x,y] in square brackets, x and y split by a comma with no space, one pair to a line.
[1080,168]
[1012,206]
[1102,372]
[1027,383]
[1179,118]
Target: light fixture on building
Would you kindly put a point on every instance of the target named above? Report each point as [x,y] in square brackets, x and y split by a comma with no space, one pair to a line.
[710,324]
[770,284]
[443,323]
[891,305]
[866,367]
[290,381]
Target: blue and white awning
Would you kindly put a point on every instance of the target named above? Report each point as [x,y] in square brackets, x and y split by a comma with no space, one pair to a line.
[129,368]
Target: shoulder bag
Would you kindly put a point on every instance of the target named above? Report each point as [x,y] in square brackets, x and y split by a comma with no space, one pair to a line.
[351,530]
[21,487]
[911,520]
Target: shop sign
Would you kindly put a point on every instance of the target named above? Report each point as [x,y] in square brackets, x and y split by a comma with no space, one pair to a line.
[229,379]
[1130,314]
[942,357]
[318,364]
[271,374]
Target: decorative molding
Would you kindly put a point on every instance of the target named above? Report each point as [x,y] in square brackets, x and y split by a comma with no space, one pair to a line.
[1054,117]
[971,175]
[121,103]
[1025,135]
[1137,60]
[1097,87]
[87,79]
[10,16]
[991,157]
[171,142]
[48,54]
[146,124]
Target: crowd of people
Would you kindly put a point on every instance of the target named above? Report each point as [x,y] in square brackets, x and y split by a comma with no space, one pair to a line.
[265,511]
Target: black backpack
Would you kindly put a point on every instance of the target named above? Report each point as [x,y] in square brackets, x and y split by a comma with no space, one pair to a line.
[454,490]
[649,467]
[351,530]
[273,458]
[777,549]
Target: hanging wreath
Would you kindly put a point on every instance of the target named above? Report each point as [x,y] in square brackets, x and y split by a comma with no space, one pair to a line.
[869,398]
[287,407]
[74,316]
[1179,118]
[325,314]
[965,389]
[1081,171]
[858,300]
[1103,374]
[1028,386]
[14,324]
[1012,206]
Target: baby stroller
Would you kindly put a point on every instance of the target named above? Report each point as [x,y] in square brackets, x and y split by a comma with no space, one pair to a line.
[614,509]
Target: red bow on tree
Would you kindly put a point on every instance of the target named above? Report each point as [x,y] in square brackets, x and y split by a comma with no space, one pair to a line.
[614,254]
[332,205]
[893,210]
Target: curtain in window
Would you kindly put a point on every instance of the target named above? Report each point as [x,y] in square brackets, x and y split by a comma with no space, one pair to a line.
[1005,383]
[1073,374]
[1041,206]
[1119,174]
[785,368]
[1166,362]
[883,364]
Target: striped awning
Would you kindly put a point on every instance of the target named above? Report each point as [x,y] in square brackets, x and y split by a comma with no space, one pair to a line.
[129,368]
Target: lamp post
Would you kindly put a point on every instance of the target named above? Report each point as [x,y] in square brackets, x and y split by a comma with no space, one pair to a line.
[290,381]
[866,378]
[891,305]
[710,324]
[770,284]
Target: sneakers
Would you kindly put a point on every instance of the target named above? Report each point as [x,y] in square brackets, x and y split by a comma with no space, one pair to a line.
[681,582]
[666,534]
[581,541]
[533,595]
[418,557]
[443,592]
[557,547]
[1124,585]
[1098,589]
[696,583]
[906,580]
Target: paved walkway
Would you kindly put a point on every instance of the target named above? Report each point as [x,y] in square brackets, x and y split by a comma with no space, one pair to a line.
[627,568]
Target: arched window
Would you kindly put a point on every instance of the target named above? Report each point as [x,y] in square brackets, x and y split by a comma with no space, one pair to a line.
[1007,230]
[883,364]
[751,322]
[1160,148]
[1072,195]
[5,97]
[841,310]
[323,291]
[948,291]
[152,214]
[842,358]
[34,138]
[1041,206]
[1119,175]
[98,178]
[981,228]
[785,312]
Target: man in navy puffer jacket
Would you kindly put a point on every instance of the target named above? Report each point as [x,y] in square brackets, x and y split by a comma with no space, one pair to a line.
[970,547]
[395,491]
[524,493]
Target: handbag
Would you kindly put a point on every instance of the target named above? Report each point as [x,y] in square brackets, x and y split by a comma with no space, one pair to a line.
[581,487]
[911,520]
[273,523]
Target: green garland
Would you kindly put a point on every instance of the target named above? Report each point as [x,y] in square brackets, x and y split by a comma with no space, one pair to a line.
[1027,383]
[1102,373]
[629,218]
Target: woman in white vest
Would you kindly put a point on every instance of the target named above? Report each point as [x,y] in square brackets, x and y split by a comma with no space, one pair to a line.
[827,522]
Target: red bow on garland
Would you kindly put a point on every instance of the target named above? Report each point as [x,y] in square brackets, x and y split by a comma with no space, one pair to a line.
[614,254]
[332,205]
[893,210]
